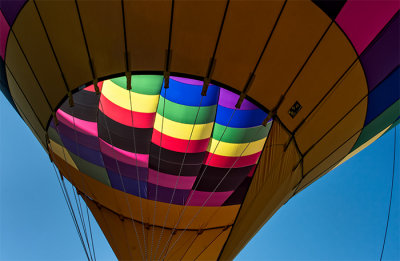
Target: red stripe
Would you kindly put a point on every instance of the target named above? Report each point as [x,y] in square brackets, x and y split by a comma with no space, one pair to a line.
[90,88]
[124,116]
[179,145]
[219,161]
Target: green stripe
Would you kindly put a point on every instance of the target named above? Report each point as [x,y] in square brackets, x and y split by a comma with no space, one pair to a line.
[378,124]
[90,169]
[143,84]
[240,135]
[186,114]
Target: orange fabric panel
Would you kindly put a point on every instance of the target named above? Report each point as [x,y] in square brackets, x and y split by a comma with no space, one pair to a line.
[25,80]
[69,46]
[102,23]
[272,185]
[32,38]
[194,34]
[213,250]
[329,61]
[348,127]
[301,25]
[352,88]
[25,110]
[147,37]
[329,163]
[246,29]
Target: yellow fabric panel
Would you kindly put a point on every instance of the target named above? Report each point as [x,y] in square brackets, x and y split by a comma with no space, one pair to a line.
[69,46]
[203,242]
[120,96]
[235,149]
[245,32]
[301,25]
[180,242]
[366,144]
[348,127]
[194,34]
[327,164]
[32,38]
[25,80]
[340,101]
[25,110]
[62,153]
[272,186]
[102,23]
[181,130]
[329,61]
[212,251]
[147,37]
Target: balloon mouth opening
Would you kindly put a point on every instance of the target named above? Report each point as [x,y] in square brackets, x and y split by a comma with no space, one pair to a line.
[175,144]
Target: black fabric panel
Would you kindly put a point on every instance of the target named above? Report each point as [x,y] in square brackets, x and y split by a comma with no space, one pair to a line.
[90,99]
[176,157]
[80,111]
[122,135]
[4,85]
[213,175]
[238,196]
[330,7]
[173,168]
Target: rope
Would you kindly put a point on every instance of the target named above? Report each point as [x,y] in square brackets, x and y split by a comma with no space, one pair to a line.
[90,230]
[179,175]
[208,198]
[123,186]
[137,174]
[201,176]
[158,171]
[391,193]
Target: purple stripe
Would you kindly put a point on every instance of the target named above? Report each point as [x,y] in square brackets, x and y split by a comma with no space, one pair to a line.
[187,81]
[129,185]
[126,170]
[229,99]
[89,141]
[11,9]
[382,57]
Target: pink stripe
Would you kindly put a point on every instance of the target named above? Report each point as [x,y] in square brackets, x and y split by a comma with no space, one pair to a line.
[363,20]
[124,156]
[4,28]
[90,88]
[197,198]
[86,127]
[169,181]
[220,161]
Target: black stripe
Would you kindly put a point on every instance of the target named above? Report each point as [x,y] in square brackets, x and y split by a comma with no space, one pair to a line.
[238,196]
[213,176]
[174,168]
[122,135]
[176,157]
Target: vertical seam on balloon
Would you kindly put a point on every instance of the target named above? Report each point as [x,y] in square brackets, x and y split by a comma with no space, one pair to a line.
[52,47]
[23,94]
[33,73]
[209,244]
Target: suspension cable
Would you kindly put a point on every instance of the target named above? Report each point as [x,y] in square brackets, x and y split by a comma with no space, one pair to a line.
[137,175]
[123,185]
[208,198]
[201,176]
[179,174]
[391,193]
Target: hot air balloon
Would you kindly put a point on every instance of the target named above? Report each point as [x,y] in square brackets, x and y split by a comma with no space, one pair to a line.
[185,125]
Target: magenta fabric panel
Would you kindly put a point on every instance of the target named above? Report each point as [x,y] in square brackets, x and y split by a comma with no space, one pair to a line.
[210,199]
[4,29]
[170,181]
[363,20]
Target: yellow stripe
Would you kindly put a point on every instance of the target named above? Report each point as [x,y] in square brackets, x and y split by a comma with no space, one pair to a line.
[366,144]
[181,130]
[119,96]
[235,149]
[58,150]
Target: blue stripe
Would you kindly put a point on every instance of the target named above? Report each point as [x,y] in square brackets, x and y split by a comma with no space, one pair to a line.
[130,185]
[190,95]
[240,118]
[383,96]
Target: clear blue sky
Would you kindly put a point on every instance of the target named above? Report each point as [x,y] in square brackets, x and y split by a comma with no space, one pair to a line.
[342,216]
